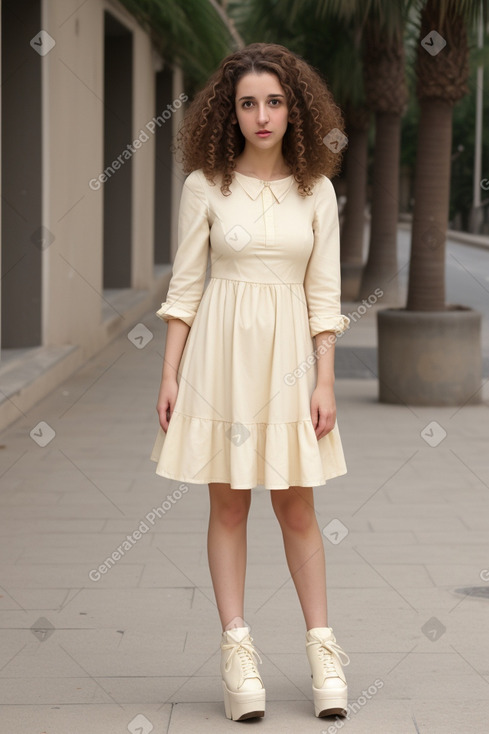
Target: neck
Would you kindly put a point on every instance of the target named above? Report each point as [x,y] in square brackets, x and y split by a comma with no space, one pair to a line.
[264,164]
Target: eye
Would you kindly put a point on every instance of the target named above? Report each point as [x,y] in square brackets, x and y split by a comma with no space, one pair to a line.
[245,103]
[278,101]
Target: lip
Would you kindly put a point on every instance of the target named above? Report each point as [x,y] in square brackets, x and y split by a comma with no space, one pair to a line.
[263,133]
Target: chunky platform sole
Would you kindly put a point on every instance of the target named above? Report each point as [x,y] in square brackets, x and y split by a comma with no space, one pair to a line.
[330,703]
[245,705]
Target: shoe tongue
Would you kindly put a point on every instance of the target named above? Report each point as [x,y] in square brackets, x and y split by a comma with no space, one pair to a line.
[237,634]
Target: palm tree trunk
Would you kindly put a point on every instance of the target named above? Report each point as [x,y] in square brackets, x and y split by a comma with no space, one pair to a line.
[353,225]
[352,232]
[381,269]
[431,202]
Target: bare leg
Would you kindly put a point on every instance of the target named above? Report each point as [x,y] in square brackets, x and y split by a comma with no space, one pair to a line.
[226,550]
[303,544]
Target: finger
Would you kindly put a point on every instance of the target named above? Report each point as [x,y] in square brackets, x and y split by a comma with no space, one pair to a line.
[315,419]
[164,416]
[326,424]
[331,423]
[320,428]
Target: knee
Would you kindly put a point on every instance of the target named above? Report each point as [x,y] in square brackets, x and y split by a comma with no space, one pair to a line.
[231,514]
[295,515]
[231,510]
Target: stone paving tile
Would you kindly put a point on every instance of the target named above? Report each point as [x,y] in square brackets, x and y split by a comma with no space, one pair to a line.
[58,575]
[80,719]
[25,529]
[473,554]
[27,599]
[456,574]
[27,691]
[290,717]
[474,522]
[443,521]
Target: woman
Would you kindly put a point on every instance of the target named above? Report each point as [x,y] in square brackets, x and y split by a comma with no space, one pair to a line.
[247,397]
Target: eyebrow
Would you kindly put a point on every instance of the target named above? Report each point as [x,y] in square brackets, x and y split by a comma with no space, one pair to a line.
[268,95]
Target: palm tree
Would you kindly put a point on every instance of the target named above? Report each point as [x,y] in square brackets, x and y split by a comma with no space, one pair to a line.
[429,353]
[353,217]
[386,94]
[345,76]
[381,23]
[442,75]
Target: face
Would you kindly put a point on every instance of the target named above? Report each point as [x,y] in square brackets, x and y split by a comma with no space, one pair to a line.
[261,106]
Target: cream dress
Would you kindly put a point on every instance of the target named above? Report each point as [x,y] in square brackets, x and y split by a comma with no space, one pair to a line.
[248,369]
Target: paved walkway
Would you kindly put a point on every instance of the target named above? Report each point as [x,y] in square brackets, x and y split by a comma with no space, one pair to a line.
[136,648]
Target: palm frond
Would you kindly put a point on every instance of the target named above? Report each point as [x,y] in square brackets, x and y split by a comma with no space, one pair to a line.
[194,34]
[388,15]
[329,44]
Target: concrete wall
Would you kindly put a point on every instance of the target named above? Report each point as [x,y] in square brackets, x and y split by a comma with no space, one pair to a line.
[75,308]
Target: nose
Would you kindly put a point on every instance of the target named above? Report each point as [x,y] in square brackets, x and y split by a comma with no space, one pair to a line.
[263,115]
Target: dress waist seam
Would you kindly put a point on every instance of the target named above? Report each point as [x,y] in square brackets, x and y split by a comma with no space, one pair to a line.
[252,282]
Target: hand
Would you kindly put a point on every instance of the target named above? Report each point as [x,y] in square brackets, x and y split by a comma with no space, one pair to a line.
[166,402]
[323,410]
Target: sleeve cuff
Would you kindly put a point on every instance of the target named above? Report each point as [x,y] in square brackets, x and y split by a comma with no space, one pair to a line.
[171,311]
[337,324]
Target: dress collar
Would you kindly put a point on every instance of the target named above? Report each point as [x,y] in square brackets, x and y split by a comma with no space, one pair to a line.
[254,186]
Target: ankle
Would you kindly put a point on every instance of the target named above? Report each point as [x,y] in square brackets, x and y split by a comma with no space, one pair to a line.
[235,623]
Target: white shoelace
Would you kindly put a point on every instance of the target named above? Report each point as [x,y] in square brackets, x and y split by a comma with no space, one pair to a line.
[326,651]
[245,651]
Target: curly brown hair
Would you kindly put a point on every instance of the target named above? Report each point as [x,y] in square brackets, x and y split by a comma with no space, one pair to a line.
[209,141]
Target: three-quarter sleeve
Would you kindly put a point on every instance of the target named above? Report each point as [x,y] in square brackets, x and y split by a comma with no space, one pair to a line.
[322,280]
[190,264]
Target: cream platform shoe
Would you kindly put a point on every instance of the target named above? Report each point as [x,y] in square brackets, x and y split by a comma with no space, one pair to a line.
[328,680]
[243,689]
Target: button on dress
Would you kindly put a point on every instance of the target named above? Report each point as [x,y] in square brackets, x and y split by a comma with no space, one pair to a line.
[249,366]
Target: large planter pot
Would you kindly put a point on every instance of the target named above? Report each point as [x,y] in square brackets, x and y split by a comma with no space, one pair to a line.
[429,358]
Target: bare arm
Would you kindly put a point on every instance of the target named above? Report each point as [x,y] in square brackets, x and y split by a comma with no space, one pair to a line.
[176,337]
[323,404]
[325,347]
